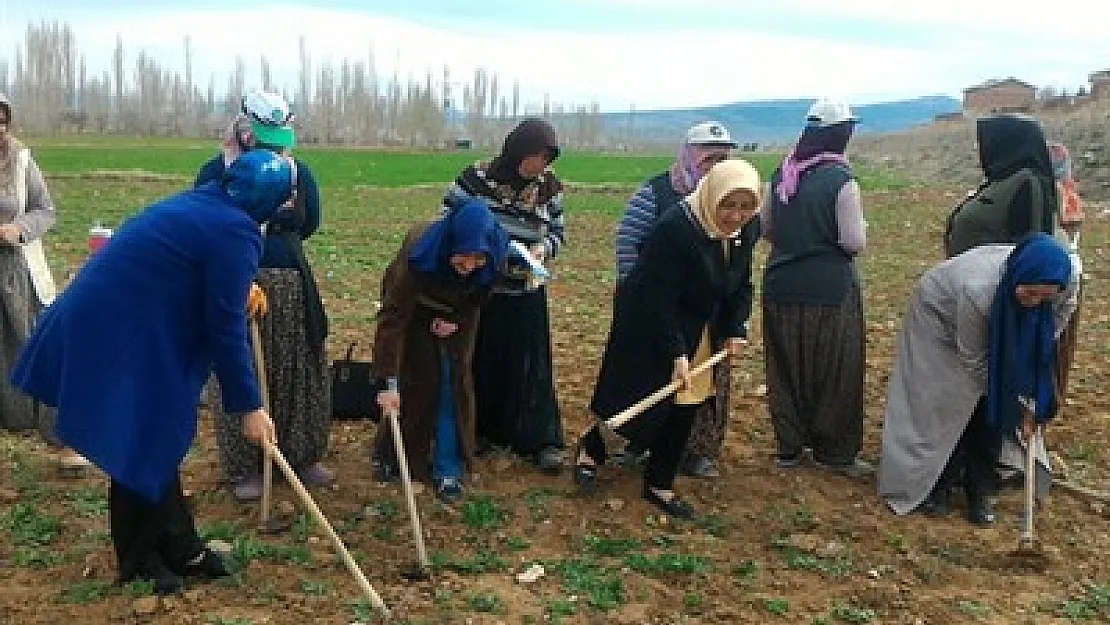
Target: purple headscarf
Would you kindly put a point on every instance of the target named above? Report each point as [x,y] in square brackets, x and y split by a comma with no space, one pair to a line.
[817,145]
[692,164]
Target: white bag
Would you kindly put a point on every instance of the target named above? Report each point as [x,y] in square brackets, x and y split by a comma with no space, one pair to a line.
[41,278]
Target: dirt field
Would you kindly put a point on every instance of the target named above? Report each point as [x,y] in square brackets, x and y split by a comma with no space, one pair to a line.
[791,546]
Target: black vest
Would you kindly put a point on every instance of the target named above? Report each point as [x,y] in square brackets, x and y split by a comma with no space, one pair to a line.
[807,265]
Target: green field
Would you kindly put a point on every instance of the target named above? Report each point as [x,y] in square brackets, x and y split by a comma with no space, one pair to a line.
[337,167]
[344,168]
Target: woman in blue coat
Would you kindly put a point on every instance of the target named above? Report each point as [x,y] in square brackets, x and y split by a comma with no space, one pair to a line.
[125,349]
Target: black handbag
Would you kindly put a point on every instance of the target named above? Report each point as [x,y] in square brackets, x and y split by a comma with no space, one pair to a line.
[354,390]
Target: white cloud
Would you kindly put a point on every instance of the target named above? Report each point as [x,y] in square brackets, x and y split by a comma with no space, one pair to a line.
[1060,19]
[622,68]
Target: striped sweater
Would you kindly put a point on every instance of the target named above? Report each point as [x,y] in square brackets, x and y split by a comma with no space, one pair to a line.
[539,204]
[640,215]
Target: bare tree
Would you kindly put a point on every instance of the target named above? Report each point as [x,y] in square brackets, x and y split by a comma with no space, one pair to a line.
[324,107]
[516,100]
[188,108]
[304,88]
[117,66]
[69,58]
[476,107]
[494,96]
[267,80]
[237,85]
[345,101]
[82,85]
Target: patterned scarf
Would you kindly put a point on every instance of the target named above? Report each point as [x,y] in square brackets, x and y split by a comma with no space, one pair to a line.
[817,145]
[691,164]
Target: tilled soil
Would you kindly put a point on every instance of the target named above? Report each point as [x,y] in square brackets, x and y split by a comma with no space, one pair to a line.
[773,545]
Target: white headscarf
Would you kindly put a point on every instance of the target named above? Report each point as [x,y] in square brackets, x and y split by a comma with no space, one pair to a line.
[721,179]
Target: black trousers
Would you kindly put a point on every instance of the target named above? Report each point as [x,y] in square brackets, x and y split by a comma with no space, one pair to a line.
[663,433]
[146,535]
[972,463]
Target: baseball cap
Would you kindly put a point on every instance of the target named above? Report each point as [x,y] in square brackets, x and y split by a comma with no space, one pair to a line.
[827,112]
[271,119]
[709,133]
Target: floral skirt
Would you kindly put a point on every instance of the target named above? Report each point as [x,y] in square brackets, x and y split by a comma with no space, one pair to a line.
[296,374]
[711,420]
[19,308]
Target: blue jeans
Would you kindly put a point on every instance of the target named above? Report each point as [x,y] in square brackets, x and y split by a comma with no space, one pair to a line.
[446,458]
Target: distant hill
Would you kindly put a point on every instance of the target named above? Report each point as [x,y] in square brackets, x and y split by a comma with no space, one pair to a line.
[771,121]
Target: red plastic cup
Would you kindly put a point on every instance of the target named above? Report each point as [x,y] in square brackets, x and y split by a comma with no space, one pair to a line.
[98,238]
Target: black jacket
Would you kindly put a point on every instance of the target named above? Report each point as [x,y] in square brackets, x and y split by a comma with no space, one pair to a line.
[680,284]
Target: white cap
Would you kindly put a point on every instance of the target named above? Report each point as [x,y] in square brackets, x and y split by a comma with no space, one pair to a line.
[709,133]
[266,107]
[270,117]
[826,112]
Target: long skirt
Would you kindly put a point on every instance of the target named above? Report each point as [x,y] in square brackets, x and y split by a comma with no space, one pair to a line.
[20,308]
[513,375]
[296,374]
[711,420]
[815,371]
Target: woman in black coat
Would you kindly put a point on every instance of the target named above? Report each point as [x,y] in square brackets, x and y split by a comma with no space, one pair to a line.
[689,295]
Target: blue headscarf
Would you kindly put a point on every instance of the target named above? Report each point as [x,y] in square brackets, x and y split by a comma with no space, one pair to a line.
[467,229]
[259,181]
[1021,348]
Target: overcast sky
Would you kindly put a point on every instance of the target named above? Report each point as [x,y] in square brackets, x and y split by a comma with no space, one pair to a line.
[619,53]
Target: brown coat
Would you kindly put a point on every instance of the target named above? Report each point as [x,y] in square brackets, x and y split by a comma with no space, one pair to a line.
[404,347]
